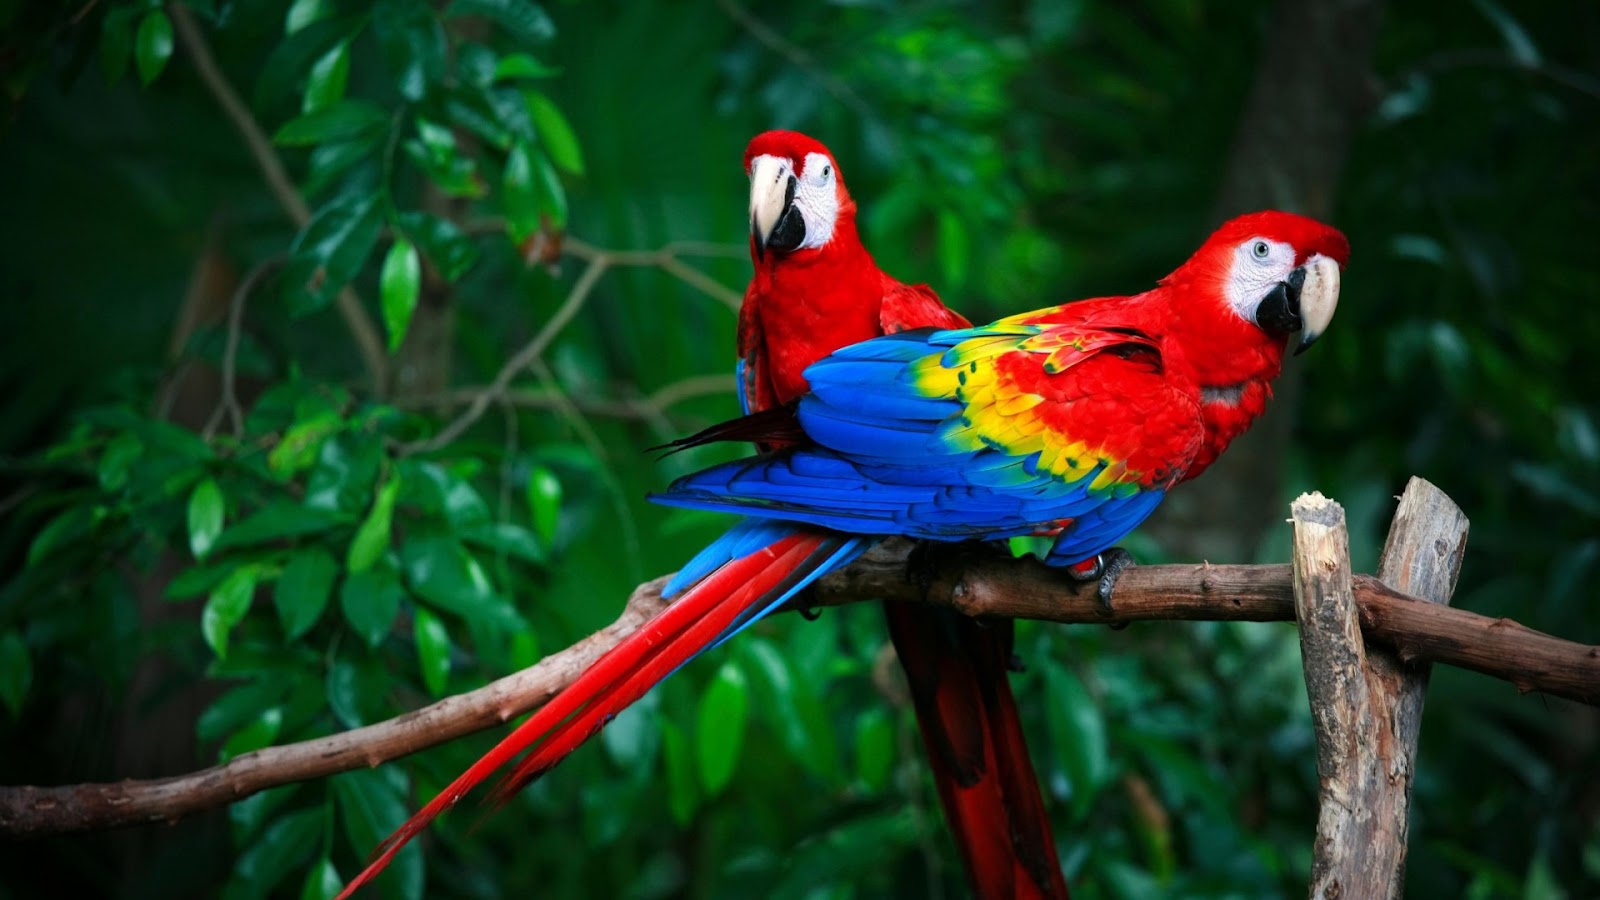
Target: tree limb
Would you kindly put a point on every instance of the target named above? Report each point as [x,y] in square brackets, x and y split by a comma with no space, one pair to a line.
[975,583]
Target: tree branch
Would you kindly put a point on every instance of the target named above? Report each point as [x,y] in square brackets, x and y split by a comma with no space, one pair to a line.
[368,342]
[975,583]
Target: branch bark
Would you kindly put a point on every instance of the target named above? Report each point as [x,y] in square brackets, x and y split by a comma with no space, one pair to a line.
[968,580]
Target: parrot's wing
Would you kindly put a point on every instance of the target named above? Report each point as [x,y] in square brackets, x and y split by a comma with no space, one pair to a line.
[908,306]
[754,384]
[988,432]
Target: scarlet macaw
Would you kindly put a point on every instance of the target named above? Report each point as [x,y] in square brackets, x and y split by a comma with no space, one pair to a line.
[1071,421]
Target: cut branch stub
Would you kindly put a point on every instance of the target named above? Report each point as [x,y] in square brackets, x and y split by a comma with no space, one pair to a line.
[1421,557]
[1349,734]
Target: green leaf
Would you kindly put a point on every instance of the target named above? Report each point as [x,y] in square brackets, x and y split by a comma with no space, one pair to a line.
[322,882]
[443,573]
[372,806]
[413,45]
[453,174]
[1078,731]
[303,13]
[72,524]
[277,520]
[283,847]
[955,249]
[433,651]
[521,65]
[552,193]
[226,607]
[719,730]
[525,23]
[153,45]
[398,288]
[519,194]
[524,649]
[370,601]
[372,538]
[475,64]
[470,109]
[683,792]
[344,693]
[120,455]
[506,538]
[326,84]
[293,57]
[116,42]
[234,709]
[874,747]
[205,517]
[555,133]
[247,816]
[333,161]
[303,589]
[261,732]
[16,671]
[449,248]
[342,121]
[331,250]
[633,738]
[544,502]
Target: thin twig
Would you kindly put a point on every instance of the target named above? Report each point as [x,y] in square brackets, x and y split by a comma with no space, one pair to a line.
[229,402]
[1573,79]
[976,584]
[530,351]
[802,60]
[602,457]
[365,334]
[649,408]
[666,258]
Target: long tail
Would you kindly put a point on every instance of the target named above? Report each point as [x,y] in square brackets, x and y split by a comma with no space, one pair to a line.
[957,669]
[739,578]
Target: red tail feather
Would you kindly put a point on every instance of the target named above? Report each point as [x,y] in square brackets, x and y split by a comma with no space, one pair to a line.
[618,678]
[957,669]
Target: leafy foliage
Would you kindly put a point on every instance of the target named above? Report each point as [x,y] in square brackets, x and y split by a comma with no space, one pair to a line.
[196,565]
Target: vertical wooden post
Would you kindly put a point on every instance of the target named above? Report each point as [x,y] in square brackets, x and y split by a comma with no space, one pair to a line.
[1366,704]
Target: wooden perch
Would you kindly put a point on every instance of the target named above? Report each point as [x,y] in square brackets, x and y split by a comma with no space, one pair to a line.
[977,583]
[1366,702]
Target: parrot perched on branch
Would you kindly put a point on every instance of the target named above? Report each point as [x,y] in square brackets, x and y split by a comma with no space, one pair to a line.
[1071,421]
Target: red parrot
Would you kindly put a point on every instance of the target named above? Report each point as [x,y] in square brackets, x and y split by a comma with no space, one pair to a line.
[1071,421]
[817,289]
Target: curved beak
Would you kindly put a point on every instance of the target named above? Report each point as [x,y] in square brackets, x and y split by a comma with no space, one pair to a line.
[1303,302]
[775,221]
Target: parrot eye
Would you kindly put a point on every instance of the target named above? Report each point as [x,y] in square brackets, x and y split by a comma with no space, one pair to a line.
[1261,250]
[826,171]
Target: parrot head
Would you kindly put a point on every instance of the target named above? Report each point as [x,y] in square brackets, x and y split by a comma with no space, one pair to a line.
[1276,270]
[797,196]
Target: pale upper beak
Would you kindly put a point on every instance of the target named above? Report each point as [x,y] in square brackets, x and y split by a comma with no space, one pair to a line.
[775,222]
[1302,302]
[1319,297]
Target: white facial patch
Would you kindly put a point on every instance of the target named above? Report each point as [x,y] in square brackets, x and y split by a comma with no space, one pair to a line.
[1258,265]
[818,200]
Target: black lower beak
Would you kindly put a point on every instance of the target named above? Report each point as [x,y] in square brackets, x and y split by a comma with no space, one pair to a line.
[788,232]
[1279,312]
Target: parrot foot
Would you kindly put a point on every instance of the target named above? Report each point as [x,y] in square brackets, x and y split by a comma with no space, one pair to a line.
[1106,569]
[804,602]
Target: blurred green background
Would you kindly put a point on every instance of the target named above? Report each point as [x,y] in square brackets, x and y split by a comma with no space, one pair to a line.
[180,584]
